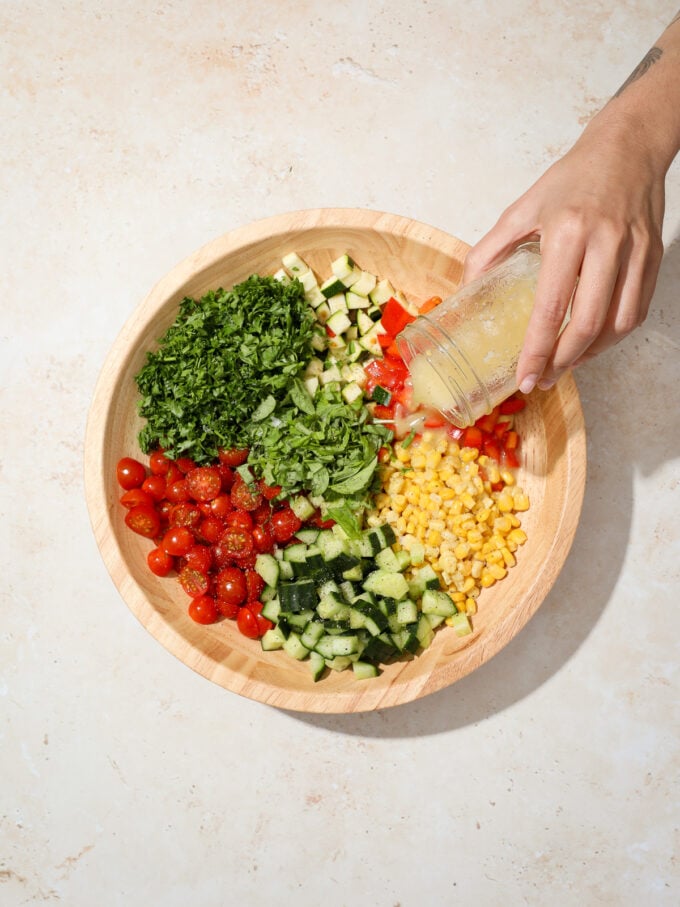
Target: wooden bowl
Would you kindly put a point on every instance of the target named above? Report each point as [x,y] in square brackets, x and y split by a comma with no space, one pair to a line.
[421,261]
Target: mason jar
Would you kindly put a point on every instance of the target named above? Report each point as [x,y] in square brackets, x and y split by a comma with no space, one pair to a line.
[463,354]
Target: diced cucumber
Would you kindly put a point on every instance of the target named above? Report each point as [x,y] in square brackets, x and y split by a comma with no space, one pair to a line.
[297,595]
[380,537]
[352,392]
[312,633]
[364,670]
[389,585]
[437,602]
[317,665]
[308,536]
[273,639]
[424,578]
[285,570]
[424,632]
[339,663]
[294,647]
[460,623]
[301,507]
[407,612]
[268,568]
[271,610]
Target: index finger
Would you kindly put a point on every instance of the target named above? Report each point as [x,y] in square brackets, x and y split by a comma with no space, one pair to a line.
[560,266]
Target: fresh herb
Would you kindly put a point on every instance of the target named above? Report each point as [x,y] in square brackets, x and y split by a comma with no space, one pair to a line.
[227,359]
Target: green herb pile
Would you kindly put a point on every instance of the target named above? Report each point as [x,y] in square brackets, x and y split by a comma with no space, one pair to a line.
[228,374]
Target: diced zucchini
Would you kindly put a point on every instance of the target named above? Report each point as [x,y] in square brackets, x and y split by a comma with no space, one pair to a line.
[355,301]
[319,340]
[332,286]
[381,395]
[281,276]
[294,264]
[365,284]
[369,341]
[382,291]
[345,270]
[337,303]
[311,385]
[323,313]
[308,280]
[364,323]
[338,322]
[315,297]
[332,373]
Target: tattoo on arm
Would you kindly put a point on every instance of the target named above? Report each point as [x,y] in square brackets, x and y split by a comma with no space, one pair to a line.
[650,58]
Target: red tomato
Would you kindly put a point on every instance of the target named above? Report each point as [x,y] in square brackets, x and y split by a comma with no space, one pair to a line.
[246,561]
[247,623]
[227,475]
[244,496]
[237,542]
[239,519]
[178,540]
[204,610]
[226,609]
[233,457]
[262,623]
[174,473]
[159,464]
[177,491]
[144,520]
[130,473]
[284,525]
[269,491]
[263,537]
[184,464]
[221,557]
[318,521]
[160,562]
[155,486]
[220,506]
[383,412]
[185,514]
[230,586]
[204,483]
[262,514]
[210,529]
[199,557]
[389,372]
[254,585]
[134,497]
[194,582]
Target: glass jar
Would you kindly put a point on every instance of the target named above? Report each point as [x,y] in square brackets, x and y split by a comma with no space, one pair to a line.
[463,354]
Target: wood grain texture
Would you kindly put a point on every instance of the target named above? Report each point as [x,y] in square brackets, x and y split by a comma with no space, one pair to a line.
[421,261]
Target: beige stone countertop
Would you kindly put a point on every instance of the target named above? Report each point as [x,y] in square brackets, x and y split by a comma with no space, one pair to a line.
[132,134]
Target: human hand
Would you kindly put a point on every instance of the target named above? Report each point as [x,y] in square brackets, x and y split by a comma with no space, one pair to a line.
[598,214]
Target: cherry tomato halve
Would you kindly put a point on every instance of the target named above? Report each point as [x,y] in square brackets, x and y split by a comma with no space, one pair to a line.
[144,520]
[130,473]
[233,457]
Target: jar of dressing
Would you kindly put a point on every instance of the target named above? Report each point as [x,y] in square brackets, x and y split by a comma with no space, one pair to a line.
[463,355]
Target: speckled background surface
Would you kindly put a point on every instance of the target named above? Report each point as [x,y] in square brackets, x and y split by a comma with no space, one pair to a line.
[132,133]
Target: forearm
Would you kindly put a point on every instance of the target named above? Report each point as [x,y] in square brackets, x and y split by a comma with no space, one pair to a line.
[645,112]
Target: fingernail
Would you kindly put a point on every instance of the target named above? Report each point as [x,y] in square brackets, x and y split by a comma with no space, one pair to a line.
[546,383]
[528,383]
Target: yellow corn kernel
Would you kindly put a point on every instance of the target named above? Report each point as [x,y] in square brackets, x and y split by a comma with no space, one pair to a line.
[398,502]
[493,474]
[433,459]
[382,499]
[521,502]
[458,597]
[434,538]
[518,536]
[507,477]
[468,500]
[470,606]
[403,454]
[486,579]
[468,584]
[461,550]
[505,502]
[497,571]
[412,494]
[502,525]
[468,454]
[508,557]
